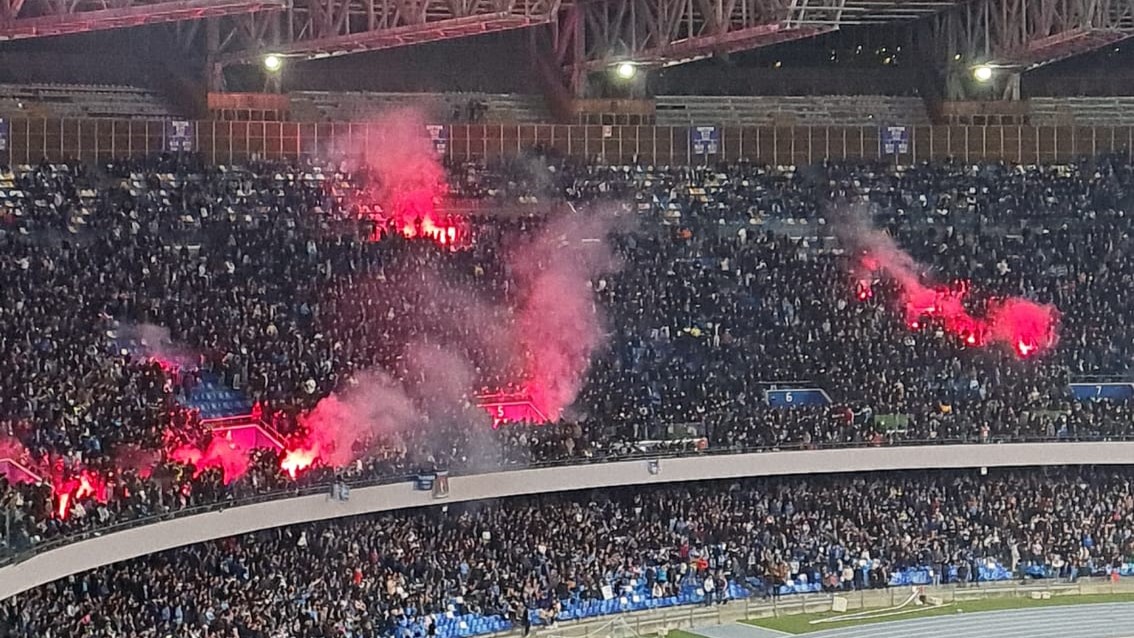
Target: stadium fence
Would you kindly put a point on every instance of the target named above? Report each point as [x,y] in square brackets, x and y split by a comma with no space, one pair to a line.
[221,142]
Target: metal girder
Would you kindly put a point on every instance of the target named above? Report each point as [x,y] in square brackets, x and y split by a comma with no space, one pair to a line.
[1020,35]
[21,19]
[864,12]
[596,33]
[323,28]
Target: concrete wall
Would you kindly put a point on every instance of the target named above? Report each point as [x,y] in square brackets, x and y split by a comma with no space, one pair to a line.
[91,553]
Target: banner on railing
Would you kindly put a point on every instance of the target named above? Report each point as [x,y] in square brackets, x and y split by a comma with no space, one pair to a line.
[1116,392]
[895,140]
[340,491]
[797,397]
[439,137]
[179,136]
[424,482]
[3,135]
[441,485]
[706,140]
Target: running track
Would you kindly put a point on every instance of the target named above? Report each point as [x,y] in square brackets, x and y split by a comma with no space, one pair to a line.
[1109,620]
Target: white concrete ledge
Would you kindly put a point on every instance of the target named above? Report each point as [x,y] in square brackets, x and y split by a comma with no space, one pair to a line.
[94,552]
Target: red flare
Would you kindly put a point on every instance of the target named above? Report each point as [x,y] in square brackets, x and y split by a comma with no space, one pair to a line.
[863,290]
[296,461]
[86,485]
[1029,327]
[221,453]
[1025,327]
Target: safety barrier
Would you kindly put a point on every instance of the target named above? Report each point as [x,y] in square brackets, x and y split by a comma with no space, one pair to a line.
[31,140]
[88,554]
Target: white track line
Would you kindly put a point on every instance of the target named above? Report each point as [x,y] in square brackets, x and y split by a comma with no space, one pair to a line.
[1070,621]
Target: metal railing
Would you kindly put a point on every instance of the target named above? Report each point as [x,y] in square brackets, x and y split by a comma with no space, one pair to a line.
[221,142]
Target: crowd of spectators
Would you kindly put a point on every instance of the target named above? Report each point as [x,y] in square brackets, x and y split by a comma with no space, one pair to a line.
[728,283]
[415,573]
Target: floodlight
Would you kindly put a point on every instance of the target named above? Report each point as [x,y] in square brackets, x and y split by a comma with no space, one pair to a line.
[273,62]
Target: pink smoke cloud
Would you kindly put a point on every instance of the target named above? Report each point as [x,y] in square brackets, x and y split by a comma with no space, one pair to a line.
[411,179]
[559,323]
[374,405]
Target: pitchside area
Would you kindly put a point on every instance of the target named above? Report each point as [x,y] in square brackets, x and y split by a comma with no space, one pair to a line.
[1068,618]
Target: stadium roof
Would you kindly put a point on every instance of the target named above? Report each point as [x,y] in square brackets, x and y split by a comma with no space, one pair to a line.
[589,34]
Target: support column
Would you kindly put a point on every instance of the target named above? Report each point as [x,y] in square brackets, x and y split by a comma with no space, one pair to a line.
[214,71]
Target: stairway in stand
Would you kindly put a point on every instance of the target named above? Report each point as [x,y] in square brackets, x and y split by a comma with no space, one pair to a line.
[214,400]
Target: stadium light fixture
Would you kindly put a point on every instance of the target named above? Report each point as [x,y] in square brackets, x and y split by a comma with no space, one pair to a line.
[982,73]
[273,63]
[626,70]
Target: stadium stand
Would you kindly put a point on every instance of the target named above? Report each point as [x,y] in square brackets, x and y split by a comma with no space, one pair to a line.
[435,107]
[718,313]
[866,110]
[123,102]
[475,569]
[1084,111]
[826,317]
[212,399]
[82,101]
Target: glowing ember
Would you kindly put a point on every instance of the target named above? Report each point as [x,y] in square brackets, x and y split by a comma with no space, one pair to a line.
[86,485]
[863,290]
[442,231]
[64,507]
[85,488]
[296,461]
